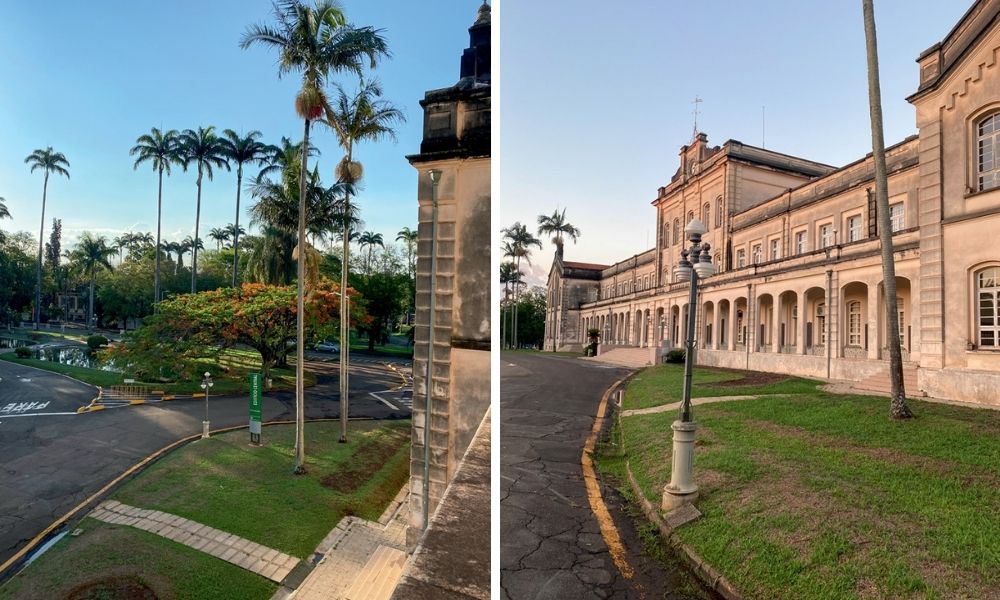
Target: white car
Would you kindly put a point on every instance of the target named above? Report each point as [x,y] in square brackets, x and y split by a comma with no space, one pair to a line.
[326,346]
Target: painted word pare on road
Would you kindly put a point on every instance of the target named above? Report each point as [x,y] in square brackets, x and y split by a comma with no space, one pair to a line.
[15,407]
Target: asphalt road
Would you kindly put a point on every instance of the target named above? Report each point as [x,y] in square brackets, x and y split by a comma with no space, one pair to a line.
[51,458]
[551,546]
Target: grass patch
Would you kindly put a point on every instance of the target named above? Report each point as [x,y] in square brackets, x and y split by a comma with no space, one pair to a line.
[664,384]
[244,490]
[104,551]
[544,352]
[231,372]
[823,496]
[91,376]
[248,491]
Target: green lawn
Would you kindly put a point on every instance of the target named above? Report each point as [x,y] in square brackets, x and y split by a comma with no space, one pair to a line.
[245,490]
[250,492]
[663,384]
[230,372]
[823,496]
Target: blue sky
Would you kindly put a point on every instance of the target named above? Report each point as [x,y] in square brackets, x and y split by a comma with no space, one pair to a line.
[88,78]
[596,99]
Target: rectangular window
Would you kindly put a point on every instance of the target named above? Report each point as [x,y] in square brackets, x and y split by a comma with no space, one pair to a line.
[854,228]
[821,322]
[801,245]
[775,249]
[854,324]
[741,258]
[755,254]
[898,217]
[825,236]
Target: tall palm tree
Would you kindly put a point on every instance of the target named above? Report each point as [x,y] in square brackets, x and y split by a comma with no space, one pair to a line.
[365,116]
[370,239]
[49,161]
[120,243]
[233,230]
[508,275]
[315,41]
[219,235]
[521,240]
[161,150]
[898,408]
[89,256]
[205,149]
[280,157]
[240,151]
[556,224]
[409,237]
[171,248]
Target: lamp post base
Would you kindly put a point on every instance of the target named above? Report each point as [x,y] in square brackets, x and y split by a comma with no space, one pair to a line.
[681,489]
[204,430]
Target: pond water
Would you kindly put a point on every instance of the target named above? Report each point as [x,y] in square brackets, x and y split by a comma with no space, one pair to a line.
[6,342]
[75,356]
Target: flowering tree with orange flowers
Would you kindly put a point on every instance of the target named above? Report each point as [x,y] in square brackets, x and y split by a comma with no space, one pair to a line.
[198,325]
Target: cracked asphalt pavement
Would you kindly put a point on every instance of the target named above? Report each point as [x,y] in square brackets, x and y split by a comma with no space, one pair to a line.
[550,541]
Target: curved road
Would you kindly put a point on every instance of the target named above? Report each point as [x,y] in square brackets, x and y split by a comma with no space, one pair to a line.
[51,458]
[550,541]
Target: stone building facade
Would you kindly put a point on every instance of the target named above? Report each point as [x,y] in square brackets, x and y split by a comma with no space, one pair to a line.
[799,288]
[455,147]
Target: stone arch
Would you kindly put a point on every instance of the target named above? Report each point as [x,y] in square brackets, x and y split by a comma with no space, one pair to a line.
[854,330]
[708,324]
[787,322]
[815,317]
[764,323]
[724,324]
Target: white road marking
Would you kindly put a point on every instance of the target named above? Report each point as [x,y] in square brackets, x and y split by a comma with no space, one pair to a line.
[39,415]
[384,401]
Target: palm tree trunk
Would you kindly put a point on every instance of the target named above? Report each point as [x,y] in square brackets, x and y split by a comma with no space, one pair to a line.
[236,229]
[194,248]
[345,329]
[159,214]
[897,408]
[300,323]
[513,333]
[38,272]
[90,308]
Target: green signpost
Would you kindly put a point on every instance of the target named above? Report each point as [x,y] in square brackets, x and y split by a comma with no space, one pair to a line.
[255,403]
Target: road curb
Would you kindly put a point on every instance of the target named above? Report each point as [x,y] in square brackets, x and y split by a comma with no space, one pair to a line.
[18,557]
[704,571]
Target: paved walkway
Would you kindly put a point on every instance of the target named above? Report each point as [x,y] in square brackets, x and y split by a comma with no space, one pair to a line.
[358,559]
[694,402]
[551,543]
[241,552]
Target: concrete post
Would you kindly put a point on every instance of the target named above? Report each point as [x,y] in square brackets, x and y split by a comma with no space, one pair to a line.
[681,489]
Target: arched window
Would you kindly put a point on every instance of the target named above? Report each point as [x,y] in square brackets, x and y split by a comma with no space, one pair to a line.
[854,323]
[718,211]
[988,152]
[677,230]
[666,233]
[690,217]
[987,282]
[706,215]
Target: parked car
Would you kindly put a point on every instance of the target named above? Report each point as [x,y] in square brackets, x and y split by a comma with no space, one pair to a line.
[327,346]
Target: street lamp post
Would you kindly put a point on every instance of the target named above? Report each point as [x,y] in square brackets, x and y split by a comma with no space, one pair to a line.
[206,384]
[695,264]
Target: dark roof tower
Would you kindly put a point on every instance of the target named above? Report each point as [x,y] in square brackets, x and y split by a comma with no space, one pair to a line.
[476,58]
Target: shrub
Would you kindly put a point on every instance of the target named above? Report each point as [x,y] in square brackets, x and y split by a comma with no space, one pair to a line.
[22,352]
[591,349]
[97,341]
[675,356]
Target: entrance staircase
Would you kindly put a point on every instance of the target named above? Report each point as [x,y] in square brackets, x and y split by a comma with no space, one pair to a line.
[881,384]
[625,356]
